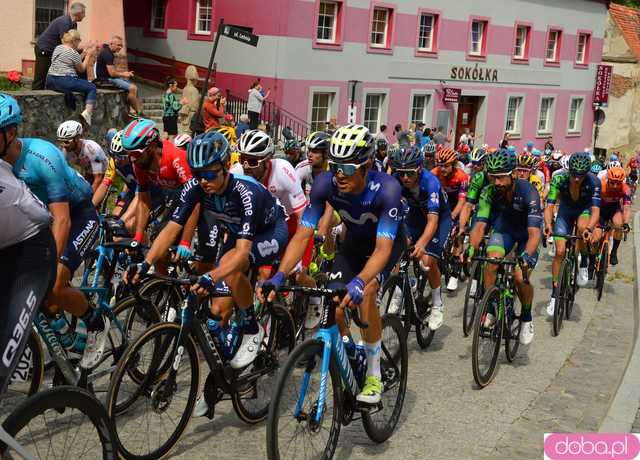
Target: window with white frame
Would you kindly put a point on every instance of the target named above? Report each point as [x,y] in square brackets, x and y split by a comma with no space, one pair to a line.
[552,45]
[520,49]
[204,10]
[419,108]
[581,52]
[425,34]
[327,19]
[545,115]
[514,114]
[157,15]
[380,27]
[47,11]
[575,115]
[373,111]
[478,32]
[321,110]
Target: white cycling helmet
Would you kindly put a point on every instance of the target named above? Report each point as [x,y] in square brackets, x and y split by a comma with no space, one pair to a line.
[614,164]
[69,129]
[564,161]
[256,143]
[181,140]
[556,155]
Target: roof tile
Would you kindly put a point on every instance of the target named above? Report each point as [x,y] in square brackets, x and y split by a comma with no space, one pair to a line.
[628,21]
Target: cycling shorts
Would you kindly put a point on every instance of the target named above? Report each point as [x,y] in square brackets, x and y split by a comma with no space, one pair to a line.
[436,245]
[85,226]
[607,213]
[504,237]
[30,272]
[567,217]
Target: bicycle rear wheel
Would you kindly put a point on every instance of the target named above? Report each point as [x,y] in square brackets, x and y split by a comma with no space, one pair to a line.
[603,265]
[486,340]
[513,326]
[392,299]
[564,287]
[59,423]
[471,298]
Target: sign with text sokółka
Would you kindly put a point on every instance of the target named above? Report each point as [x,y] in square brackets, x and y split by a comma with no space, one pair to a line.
[603,83]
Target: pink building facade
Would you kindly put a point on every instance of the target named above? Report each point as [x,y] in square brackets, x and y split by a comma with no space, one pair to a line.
[521,66]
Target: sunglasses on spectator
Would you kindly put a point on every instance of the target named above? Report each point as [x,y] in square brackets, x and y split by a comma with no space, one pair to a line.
[407,172]
[347,169]
[208,175]
[251,162]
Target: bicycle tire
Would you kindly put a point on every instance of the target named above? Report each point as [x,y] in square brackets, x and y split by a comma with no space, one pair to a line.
[117,410]
[282,338]
[481,378]
[471,301]
[563,295]
[309,352]
[388,289]
[389,363]
[57,402]
[603,265]
[568,308]
[512,331]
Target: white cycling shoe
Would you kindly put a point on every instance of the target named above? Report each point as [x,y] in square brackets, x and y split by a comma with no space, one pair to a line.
[201,408]
[96,341]
[436,318]
[551,307]
[452,285]
[526,333]
[248,349]
[583,276]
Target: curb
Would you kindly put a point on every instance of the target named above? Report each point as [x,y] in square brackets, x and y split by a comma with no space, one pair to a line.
[624,407]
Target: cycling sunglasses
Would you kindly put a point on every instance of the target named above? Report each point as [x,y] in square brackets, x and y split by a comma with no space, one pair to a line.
[347,169]
[65,141]
[250,161]
[137,153]
[208,175]
[407,172]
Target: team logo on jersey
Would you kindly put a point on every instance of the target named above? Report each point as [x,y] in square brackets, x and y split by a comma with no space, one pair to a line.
[374,186]
[335,276]
[266,248]
[434,198]
[362,220]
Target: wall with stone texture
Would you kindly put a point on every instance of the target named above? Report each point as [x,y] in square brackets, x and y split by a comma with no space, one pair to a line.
[43,111]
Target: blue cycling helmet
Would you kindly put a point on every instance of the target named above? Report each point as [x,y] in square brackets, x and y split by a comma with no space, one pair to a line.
[614,157]
[596,168]
[530,144]
[138,134]
[579,163]
[109,136]
[207,149]
[10,113]
[511,148]
[406,157]
[536,153]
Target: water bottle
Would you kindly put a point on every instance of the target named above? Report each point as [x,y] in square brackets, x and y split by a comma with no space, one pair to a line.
[414,285]
[361,363]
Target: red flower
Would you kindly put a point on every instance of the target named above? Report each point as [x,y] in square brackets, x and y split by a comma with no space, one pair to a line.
[14,76]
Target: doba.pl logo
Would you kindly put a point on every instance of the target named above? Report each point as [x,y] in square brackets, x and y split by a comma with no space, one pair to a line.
[595,446]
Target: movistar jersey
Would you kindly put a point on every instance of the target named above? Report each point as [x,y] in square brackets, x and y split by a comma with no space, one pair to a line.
[426,198]
[523,211]
[588,196]
[43,168]
[374,213]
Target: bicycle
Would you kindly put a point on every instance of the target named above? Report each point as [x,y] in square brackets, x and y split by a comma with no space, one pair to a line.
[414,309]
[329,396]
[602,261]
[474,291]
[567,283]
[498,300]
[141,387]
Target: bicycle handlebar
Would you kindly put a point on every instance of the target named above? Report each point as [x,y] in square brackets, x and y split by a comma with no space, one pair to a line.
[510,262]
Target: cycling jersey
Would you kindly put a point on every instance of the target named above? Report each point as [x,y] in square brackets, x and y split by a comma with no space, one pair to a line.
[43,168]
[589,194]
[23,213]
[612,198]
[304,171]
[553,166]
[91,157]
[455,186]
[173,170]
[545,174]
[125,171]
[380,165]
[374,213]
[603,174]
[478,181]
[537,182]
[523,211]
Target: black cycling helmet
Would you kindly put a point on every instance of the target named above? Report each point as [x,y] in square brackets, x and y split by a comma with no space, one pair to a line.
[429,149]
[207,149]
[579,163]
[500,162]
[351,144]
[318,140]
[382,144]
[406,157]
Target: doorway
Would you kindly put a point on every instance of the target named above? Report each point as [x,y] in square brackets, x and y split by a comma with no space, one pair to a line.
[467,114]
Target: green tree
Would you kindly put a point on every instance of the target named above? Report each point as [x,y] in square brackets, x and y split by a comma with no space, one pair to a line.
[631,3]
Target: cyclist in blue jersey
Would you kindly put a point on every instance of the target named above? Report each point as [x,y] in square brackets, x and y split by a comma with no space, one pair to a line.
[369,203]
[428,221]
[75,220]
[380,159]
[511,207]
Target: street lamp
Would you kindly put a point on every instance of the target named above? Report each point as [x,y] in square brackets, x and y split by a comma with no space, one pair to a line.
[353,90]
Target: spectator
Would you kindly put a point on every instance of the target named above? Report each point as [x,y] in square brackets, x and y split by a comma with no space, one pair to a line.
[66,63]
[420,134]
[439,138]
[52,37]
[464,139]
[402,136]
[213,109]
[243,125]
[331,125]
[382,134]
[428,135]
[106,71]
[549,144]
[171,106]
[504,143]
[229,120]
[254,104]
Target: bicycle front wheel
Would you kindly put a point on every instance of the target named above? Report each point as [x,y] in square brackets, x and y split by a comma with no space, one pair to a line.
[486,338]
[59,423]
[293,428]
[564,294]
[472,295]
[603,265]
[27,377]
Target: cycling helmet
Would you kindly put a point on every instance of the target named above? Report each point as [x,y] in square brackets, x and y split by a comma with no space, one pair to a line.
[291,144]
[579,163]
[556,155]
[526,160]
[463,148]
[318,140]
[616,174]
[430,149]
[229,133]
[614,157]
[596,168]
[109,136]
[351,143]
[69,129]
[502,162]
[530,145]
[207,149]
[406,157]
[614,164]
[256,143]
[382,144]
[536,153]
[10,113]
[564,162]
[511,148]
[115,146]
[139,134]
[477,155]
[181,140]
[446,156]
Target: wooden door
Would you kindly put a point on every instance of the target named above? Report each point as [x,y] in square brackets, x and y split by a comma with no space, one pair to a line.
[467,112]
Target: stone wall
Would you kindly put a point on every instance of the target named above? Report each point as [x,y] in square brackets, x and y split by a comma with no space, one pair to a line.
[43,111]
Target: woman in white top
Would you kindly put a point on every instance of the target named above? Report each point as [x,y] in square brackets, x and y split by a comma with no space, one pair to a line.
[254,104]
[66,63]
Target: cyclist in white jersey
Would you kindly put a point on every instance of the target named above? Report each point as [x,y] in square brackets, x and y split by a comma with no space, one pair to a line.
[317,149]
[85,153]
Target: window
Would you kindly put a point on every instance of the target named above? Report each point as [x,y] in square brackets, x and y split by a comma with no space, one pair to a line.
[380,27]
[545,116]
[478,31]
[327,16]
[203,16]
[157,15]
[47,11]
[514,114]
[372,111]
[419,108]
[320,110]
[582,49]
[553,46]
[575,115]
[426,31]
[521,48]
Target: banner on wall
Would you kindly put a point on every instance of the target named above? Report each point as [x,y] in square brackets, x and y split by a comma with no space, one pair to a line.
[603,83]
[451,94]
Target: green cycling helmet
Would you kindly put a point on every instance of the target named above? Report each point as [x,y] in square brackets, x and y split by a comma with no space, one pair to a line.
[500,162]
[579,163]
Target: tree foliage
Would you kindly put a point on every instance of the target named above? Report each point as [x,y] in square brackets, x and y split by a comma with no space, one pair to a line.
[631,3]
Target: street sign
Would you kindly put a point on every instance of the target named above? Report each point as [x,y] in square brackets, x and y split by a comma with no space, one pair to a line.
[351,117]
[603,83]
[452,94]
[599,117]
[240,35]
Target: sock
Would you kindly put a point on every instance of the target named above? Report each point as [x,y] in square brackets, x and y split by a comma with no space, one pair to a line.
[93,321]
[584,260]
[247,321]
[373,358]
[614,248]
[436,296]
[526,312]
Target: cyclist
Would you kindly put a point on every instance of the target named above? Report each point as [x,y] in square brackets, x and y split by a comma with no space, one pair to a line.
[85,153]
[476,161]
[380,159]
[455,183]
[579,193]
[615,206]
[317,144]
[428,221]
[369,203]
[182,141]
[553,163]
[430,155]
[524,170]
[479,179]
[75,220]
[293,152]
[511,207]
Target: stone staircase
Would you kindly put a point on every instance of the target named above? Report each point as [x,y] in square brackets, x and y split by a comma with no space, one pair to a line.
[152,108]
